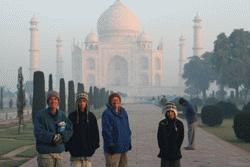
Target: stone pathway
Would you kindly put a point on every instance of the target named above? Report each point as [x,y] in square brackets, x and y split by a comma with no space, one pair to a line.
[144,118]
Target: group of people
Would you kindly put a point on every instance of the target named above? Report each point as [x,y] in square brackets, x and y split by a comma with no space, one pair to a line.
[79,134]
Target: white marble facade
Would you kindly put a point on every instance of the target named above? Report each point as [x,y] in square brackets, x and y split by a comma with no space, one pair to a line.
[120,57]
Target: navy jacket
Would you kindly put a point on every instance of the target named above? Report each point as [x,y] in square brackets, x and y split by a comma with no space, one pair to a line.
[116,131]
[190,113]
[46,126]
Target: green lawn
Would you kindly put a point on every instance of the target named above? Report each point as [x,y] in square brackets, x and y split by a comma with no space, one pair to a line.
[14,163]
[226,132]
[30,153]
[10,140]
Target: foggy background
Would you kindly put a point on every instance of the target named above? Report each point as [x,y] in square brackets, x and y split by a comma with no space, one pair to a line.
[164,19]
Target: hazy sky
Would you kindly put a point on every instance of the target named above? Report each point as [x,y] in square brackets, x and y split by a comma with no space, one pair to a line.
[165,19]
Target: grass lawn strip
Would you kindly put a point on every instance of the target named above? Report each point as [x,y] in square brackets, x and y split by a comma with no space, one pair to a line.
[226,133]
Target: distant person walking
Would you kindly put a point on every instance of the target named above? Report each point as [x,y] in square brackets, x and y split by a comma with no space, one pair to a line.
[191,117]
[52,130]
[170,137]
[116,133]
[85,139]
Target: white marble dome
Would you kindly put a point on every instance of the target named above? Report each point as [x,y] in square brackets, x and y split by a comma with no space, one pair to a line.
[117,18]
[91,38]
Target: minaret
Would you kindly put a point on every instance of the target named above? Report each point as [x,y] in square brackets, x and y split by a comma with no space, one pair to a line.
[34,47]
[59,61]
[182,61]
[182,54]
[198,43]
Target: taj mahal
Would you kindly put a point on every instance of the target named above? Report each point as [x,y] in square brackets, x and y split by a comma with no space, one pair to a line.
[120,56]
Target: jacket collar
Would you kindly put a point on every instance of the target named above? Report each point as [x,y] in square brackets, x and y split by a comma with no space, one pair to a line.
[119,114]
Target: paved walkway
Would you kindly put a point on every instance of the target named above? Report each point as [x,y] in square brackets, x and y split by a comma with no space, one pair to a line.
[144,118]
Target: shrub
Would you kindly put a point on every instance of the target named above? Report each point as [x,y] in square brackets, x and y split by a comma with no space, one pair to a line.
[246,108]
[242,126]
[229,109]
[211,115]
[196,102]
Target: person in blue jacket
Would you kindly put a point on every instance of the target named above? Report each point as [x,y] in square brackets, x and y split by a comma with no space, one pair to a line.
[52,130]
[116,133]
[191,117]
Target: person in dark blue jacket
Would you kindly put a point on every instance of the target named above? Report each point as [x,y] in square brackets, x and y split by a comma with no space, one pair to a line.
[52,130]
[116,133]
[191,117]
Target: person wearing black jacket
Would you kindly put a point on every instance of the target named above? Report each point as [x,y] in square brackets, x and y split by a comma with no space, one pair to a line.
[170,137]
[85,139]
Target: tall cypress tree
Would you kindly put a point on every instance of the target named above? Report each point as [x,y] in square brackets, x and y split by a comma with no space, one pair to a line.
[1,98]
[62,104]
[80,87]
[71,96]
[95,98]
[91,95]
[39,101]
[21,101]
[50,82]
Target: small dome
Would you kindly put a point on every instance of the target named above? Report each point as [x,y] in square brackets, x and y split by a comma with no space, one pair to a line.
[91,38]
[117,18]
[143,37]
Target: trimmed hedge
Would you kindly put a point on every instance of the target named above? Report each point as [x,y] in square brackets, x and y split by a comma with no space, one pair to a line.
[242,126]
[246,108]
[229,109]
[211,115]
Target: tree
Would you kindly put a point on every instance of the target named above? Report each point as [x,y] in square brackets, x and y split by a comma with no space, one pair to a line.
[39,101]
[231,59]
[1,98]
[62,104]
[102,97]
[50,82]
[199,74]
[71,96]
[21,102]
[80,87]
[11,103]
[91,96]
[96,99]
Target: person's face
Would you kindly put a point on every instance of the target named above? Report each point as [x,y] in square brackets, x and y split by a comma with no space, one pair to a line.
[171,115]
[82,104]
[116,103]
[53,103]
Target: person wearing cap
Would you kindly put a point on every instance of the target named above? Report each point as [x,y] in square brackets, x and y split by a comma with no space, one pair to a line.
[85,139]
[52,130]
[116,133]
[170,136]
[191,117]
